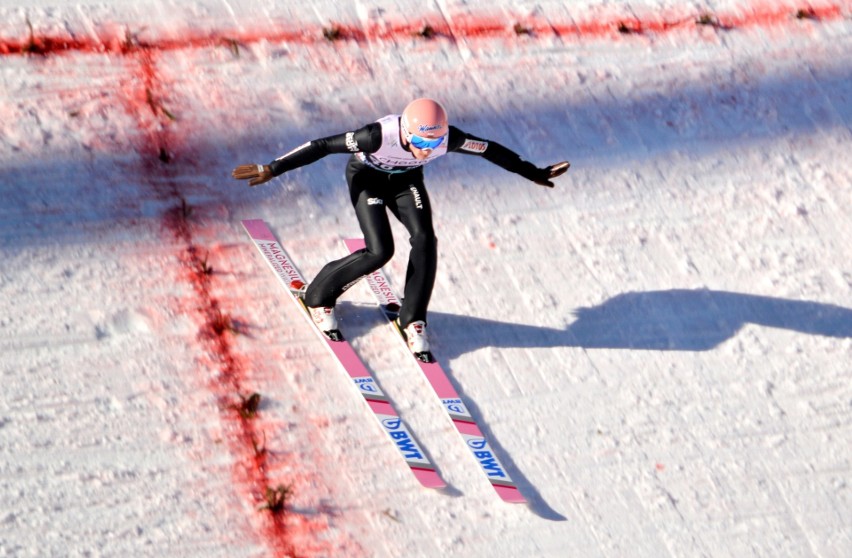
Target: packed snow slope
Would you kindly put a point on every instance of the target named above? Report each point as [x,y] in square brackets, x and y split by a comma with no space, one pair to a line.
[660,347]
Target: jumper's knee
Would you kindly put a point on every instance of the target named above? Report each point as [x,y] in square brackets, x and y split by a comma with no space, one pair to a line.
[424,242]
[377,256]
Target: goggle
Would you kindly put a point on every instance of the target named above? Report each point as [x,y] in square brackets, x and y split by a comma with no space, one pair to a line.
[425,143]
[420,142]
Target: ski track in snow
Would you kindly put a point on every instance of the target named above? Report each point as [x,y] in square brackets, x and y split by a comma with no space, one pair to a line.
[659,347]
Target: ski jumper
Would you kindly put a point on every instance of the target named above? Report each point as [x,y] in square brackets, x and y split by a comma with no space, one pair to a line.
[383,175]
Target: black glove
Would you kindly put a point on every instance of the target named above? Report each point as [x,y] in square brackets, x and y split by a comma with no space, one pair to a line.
[544,175]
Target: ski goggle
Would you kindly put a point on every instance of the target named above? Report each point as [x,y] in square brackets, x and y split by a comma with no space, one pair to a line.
[419,141]
[425,143]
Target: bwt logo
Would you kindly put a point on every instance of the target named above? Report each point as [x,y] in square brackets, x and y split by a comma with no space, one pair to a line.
[392,423]
[455,406]
[366,384]
[477,443]
[486,459]
[401,438]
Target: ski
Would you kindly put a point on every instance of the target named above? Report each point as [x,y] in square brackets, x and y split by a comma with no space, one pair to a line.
[455,408]
[289,276]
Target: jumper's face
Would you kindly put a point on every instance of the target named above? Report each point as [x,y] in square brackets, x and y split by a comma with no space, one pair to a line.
[422,143]
[419,154]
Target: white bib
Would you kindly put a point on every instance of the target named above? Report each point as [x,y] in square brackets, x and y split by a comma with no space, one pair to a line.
[391,156]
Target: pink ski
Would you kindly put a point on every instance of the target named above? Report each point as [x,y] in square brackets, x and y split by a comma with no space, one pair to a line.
[275,255]
[437,377]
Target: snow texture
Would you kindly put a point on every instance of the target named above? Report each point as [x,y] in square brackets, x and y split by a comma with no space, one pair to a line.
[660,347]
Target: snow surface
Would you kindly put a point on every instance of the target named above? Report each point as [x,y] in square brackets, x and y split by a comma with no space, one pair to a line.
[659,347]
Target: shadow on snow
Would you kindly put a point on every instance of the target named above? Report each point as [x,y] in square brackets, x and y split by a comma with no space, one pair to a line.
[672,320]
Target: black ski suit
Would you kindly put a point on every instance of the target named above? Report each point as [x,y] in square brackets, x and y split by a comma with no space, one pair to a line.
[384,175]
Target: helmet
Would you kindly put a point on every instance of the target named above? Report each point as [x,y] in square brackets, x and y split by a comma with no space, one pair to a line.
[424,118]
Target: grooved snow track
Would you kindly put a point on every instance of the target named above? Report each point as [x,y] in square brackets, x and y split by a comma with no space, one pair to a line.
[677,321]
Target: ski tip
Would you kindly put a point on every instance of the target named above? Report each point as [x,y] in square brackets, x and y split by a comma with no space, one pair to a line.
[257,229]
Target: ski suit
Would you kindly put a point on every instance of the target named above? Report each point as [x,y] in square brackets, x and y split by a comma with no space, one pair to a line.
[383,175]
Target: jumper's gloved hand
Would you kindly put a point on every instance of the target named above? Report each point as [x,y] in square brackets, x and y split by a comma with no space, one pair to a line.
[552,171]
[255,174]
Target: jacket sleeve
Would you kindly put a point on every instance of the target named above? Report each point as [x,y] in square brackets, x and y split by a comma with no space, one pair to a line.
[366,139]
[462,142]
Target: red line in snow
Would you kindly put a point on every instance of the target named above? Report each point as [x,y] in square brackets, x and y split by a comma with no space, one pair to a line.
[160,149]
[609,23]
